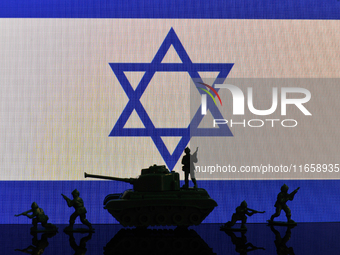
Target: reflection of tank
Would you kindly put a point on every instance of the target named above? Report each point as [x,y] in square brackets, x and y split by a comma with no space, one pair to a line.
[157,241]
[156,199]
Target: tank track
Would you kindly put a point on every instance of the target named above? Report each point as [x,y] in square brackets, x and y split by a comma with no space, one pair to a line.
[160,216]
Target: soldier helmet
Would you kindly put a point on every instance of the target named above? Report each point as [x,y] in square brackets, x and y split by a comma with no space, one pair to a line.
[75,192]
[244,203]
[34,205]
[284,188]
[187,150]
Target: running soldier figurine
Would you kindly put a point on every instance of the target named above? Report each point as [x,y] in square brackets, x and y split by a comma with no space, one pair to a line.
[37,216]
[282,199]
[188,167]
[78,204]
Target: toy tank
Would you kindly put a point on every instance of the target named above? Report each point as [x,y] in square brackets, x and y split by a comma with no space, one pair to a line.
[157,200]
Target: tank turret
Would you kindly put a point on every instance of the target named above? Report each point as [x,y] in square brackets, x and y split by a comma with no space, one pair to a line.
[128,180]
[157,199]
[154,178]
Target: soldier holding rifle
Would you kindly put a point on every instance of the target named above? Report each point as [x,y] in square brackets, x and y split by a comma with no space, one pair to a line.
[240,214]
[37,216]
[282,199]
[78,204]
[189,167]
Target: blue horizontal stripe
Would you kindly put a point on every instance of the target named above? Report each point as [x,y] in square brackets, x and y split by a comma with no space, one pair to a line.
[316,201]
[166,132]
[172,9]
[167,67]
[147,132]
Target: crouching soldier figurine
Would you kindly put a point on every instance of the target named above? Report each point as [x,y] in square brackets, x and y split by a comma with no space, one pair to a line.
[240,214]
[78,204]
[37,216]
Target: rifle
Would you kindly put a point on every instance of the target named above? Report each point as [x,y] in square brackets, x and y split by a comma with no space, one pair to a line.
[291,195]
[254,211]
[295,191]
[24,213]
[66,198]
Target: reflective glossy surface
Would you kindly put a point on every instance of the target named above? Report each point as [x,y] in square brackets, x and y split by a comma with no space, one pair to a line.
[305,238]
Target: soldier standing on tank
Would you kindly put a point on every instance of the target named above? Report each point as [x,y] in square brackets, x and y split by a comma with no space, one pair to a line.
[188,167]
[37,216]
[78,204]
[282,199]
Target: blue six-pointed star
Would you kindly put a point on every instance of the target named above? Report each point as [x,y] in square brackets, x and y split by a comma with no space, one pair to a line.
[134,96]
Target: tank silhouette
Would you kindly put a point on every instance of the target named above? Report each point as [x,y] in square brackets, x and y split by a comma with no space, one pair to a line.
[157,200]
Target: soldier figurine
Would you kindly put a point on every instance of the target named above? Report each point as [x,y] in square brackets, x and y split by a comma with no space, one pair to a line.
[188,167]
[37,216]
[241,212]
[282,199]
[78,204]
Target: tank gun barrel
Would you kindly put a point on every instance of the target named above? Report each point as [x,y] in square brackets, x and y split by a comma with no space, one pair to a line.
[128,180]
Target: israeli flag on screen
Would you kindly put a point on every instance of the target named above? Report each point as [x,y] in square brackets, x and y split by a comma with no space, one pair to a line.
[104,88]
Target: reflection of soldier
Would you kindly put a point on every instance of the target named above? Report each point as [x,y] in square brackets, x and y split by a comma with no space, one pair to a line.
[37,216]
[282,199]
[81,248]
[280,243]
[188,167]
[38,246]
[241,244]
[78,204]
[241,212]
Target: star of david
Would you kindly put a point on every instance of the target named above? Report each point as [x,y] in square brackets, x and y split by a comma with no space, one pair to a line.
[134,96]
